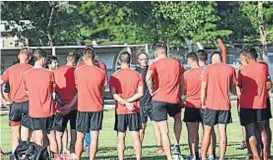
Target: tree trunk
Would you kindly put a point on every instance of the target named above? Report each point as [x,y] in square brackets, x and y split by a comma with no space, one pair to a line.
[50,21]
[262,30]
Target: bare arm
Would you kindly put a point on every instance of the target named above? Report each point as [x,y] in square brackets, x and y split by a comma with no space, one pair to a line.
[137,96]
[74,101]
[203,92]
[149,81]
[182,84]
[116,96]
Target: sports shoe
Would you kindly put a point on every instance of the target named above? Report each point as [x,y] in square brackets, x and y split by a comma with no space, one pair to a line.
[242,146]
[160,150]
[211,158]
[176,150]
[192,158]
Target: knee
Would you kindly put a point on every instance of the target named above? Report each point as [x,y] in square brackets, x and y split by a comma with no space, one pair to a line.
[223,139]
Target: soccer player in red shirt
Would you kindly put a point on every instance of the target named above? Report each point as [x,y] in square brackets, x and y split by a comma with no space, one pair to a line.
[66,89]
[165,82]
[90,102]
[18,115]
[202,61]
[39,84]
[126,87]
[216,101]
[192,114]
[253,101]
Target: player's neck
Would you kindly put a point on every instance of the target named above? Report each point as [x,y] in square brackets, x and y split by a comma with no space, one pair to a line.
[195,65]
[69,64]
[251,61]
[23,62]
[37,65]
[202,64]
[89,62]
[124,66]
[161,56]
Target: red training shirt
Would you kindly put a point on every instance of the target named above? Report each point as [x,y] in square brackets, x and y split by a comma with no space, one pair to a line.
[192,87]
[166,74]
[39,83]
[14,75]
[65,83]
[90,82]
[126,82]
[219,78]
[252,79]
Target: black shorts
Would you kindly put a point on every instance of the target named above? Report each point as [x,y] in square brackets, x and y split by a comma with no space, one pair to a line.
[89,121]
[19,113]
[145,112]
[44,124]
[192,115]
[62,120]
[213,117]
[160,110]
[123,121]
[248,116]
[268,108]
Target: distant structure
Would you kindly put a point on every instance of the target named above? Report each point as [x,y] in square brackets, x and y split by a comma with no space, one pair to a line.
[8,38]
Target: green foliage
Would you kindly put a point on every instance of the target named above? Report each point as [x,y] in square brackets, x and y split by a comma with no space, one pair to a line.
[250,12]
[137,22]
[61,28]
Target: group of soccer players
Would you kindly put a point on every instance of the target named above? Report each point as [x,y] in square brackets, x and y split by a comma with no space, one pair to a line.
[45,97]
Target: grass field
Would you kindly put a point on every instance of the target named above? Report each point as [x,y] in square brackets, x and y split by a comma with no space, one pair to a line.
[107,144]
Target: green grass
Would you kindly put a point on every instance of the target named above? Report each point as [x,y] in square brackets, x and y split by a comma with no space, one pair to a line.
[108,139]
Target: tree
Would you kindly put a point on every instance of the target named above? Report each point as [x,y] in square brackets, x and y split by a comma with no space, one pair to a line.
[193,20]
[146,22]
[260,14]
[51,22]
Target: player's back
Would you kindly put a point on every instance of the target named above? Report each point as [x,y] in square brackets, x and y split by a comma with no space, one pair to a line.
[128,81]
[192,87]
[253,79]
[90,80]
[39,83]
[65,82]
[166,76]
[219,77]
[14,75]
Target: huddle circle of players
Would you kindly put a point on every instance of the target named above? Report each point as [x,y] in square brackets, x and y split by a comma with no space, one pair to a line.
[45,99]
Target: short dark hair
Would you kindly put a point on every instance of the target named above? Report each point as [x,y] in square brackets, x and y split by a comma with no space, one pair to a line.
[38,54]
[250,52]
[193,56]
[202,55]
[142,53]
[74,56]
[51,58]
[160,45]
[125,57]
[89,52]
[216,53]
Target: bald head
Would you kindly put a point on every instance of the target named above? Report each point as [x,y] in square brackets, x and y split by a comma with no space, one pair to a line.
[216,57]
